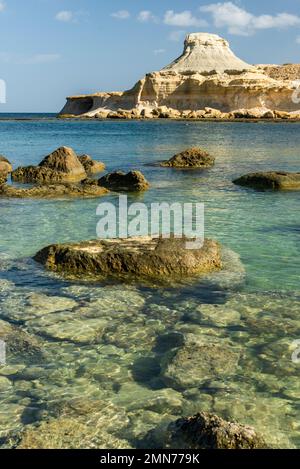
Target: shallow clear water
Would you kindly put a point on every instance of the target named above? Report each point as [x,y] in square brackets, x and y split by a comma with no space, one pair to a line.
[103,347]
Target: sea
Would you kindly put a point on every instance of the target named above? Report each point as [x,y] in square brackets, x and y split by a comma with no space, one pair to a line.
[91,364]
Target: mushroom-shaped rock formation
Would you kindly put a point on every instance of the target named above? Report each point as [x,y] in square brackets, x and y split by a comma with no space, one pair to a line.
[62,165]
[190,158]
[272,180]
[134,181]
[5,167]
[204,53]
[91,166]
[139,258]
[51,191]
[208,431]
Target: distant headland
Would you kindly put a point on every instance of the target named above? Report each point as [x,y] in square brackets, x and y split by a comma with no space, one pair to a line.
[207,81]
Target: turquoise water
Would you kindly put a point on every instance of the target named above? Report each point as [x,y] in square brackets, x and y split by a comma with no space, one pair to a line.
[98,343]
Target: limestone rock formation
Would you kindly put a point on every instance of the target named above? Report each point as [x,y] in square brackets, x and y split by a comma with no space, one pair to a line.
[91,166]
[134,181]
[208,431]
[207,74]
[270,180]
[85,189]
[141,257]
[190,158]
[62,165]
[5,167]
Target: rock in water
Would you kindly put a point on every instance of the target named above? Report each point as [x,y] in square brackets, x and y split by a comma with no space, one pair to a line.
[207,75]
[62,165]
[197,360]
[134,181]
[5,167]
[190,158]
[141,257]
[91,166]
[86,189]
[208,431]
[270,180]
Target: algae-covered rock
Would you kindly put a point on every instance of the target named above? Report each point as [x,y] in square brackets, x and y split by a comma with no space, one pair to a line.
[5,167]
[62,165]
[134,181]
[91,166]
[190,158]
[273,180]
[198,359]
[53,191]
[142,257]
[208,431]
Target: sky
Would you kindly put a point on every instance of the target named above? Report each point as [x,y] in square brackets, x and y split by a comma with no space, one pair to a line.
[50,49]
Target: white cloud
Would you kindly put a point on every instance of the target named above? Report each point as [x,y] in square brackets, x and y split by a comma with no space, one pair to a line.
[2,6]
[65,16]
[240,22]
[159,51]
[177,35]
[38,59]
[121,15]
[146,16]
[183,19]
[298,40]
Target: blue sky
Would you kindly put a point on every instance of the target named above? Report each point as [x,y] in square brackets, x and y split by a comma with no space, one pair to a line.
[53,48]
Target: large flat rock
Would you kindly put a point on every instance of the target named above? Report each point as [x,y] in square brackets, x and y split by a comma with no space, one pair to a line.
[142,257]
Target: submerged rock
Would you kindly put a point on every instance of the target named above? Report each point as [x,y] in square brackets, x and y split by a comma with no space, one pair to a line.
[190,158]
[197,360]
[270,180]
[85,189]
[141,257]
[208,431]
[5,167]
[66,433]
[134,181]
[91,166]
[62,165]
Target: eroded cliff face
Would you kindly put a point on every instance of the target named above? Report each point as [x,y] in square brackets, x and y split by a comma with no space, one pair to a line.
[207,74]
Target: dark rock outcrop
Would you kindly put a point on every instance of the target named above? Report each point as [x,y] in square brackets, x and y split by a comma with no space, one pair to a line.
[270,180]
[91,166]
[190,158]
[208,431]
[138,258]
[134,181]
[85,189]
[62,165]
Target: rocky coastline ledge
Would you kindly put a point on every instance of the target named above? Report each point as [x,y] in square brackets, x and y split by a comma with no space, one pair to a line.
[208,81]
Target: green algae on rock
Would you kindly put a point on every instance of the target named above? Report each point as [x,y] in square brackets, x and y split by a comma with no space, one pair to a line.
[141,257]
[190,158]
[272,180]
[84,189]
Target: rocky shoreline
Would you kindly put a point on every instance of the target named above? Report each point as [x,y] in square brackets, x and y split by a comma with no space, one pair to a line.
[208,114]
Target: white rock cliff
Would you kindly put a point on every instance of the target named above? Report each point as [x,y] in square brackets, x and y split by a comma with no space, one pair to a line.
[207,74]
